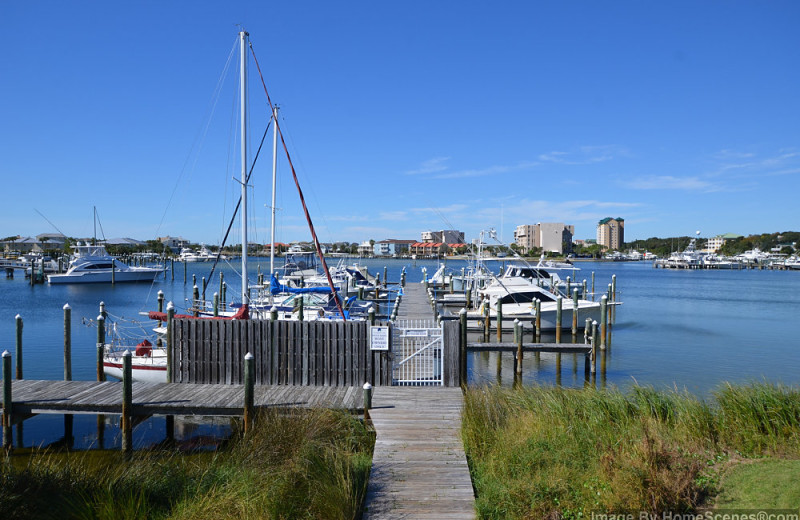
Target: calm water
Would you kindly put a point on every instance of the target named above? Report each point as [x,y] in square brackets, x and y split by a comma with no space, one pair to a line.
[685,329]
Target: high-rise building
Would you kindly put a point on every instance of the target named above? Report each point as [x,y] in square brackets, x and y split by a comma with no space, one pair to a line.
[549,236]
[611,233]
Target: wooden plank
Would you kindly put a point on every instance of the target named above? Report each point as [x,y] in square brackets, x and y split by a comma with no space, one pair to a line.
[563,348]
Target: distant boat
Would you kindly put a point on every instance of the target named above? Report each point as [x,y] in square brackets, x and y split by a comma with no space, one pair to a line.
[93,264]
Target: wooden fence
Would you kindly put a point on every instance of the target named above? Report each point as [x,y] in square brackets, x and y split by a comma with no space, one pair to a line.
[316,353]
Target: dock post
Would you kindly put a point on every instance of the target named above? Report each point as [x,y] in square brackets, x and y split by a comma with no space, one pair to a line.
[216,305]
[67,342]
[223,295]
[7,401]
[584,289]
[170,339]
[126,420]
[592,285]
[603,320]
[100,346]
[172,269]
[195,300]
[113,271]
[613,287]
[160,303]
[249,384]
[462,362]
[538,304]
[499,321]
[559,300]
[469,298]
[594,347]
[568,289]
[385,276]
[371,315]
[518,361]
[403,279]
[486,319]
[575,312]
[184,272]
[18,320]
[204,285]
[367,399]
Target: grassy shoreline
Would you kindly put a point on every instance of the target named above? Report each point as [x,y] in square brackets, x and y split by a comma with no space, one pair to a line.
[295,464]
[565,453]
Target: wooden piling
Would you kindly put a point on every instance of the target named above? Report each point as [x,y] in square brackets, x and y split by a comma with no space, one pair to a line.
[18,321]
[594,347]
[100,346]
[67,342]
[486,322]
[216,305]
[538,307]
[184,272]
[499,321]
[195,300]
[518,336]
[7,401]
[367,398]
[592,285]
[249,387]
[462,316]
[126,419]
[170,340]
[613,287]
[172,269]
[575,312]
[558,318]
[113,271]
[603,320]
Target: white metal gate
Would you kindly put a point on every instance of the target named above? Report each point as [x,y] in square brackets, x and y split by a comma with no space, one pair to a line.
[417,353]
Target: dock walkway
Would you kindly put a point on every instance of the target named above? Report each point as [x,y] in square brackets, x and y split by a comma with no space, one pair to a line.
[419,469]
[105,397]
[415,304]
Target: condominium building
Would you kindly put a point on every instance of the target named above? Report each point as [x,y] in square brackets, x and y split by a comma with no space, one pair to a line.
[447,236]
[549,236]
[715,243]
[611,233]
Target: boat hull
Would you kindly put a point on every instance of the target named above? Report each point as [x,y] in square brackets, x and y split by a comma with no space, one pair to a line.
[105,276]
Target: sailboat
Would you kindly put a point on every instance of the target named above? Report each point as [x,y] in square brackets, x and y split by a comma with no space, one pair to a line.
[149,363]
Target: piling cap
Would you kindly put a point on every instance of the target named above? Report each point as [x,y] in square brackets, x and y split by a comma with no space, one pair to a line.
[248,356]
[100,318]
[274,309]
[127,353]
[170,306]
[604,297]
[463,311]
[66,306]
[160,292]
[367,386]
[6,353]
[17,317]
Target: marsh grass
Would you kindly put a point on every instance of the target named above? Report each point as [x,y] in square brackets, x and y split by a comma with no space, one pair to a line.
[295,464]
[563,453]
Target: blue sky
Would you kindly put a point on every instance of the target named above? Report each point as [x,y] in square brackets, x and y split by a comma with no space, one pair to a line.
[403,117]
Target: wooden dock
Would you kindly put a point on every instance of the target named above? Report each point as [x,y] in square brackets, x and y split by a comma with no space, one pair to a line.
[32,397]
[419,469]
[415,304]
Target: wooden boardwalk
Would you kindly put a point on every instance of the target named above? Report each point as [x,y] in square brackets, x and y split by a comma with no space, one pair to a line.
[419,469]
[74,397]
[415,304]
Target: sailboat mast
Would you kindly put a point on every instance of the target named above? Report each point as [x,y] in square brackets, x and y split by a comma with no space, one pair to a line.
[243,98]
[274,177]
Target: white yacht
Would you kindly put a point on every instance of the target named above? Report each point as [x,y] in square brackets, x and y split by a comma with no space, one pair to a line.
[518,289]
[93,264]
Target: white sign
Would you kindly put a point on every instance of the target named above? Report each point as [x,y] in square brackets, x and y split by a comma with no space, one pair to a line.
[379,338]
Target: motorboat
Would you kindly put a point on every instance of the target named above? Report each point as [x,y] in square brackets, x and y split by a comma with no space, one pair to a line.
[203,255]
[92,264]
[517,291]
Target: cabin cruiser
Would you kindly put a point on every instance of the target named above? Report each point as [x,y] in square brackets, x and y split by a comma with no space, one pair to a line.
[93,264]
[204,255]
[519,288]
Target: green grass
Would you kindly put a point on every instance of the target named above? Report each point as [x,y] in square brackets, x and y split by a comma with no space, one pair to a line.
[295,464]
[763,484]
[564,453]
